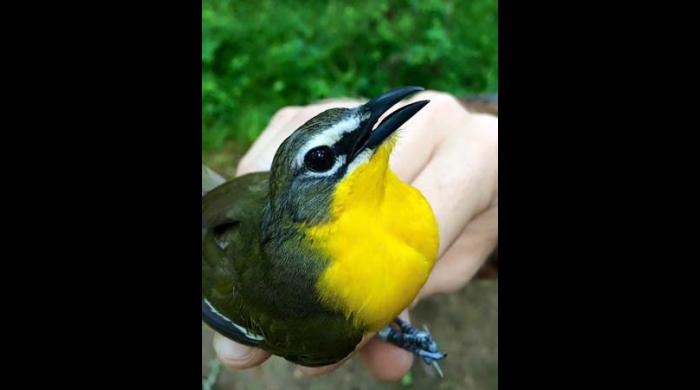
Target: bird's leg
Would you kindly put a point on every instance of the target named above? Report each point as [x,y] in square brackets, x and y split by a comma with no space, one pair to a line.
[419,342]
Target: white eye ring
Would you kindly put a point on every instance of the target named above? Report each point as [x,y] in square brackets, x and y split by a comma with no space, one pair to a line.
[339,161]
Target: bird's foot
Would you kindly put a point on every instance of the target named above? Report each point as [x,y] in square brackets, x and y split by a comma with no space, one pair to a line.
[419,342]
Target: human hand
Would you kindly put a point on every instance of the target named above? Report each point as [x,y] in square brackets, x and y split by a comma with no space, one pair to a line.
[451,156]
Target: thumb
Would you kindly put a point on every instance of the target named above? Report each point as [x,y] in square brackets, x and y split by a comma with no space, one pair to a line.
[238,356]
[385,361]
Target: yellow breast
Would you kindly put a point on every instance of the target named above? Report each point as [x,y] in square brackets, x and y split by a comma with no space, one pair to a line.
[382,242]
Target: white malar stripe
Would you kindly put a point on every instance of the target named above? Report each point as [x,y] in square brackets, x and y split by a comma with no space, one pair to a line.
[243,330]
[328,137]
[361,158]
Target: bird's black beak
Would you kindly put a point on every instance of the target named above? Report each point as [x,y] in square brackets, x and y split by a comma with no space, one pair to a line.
[375,108]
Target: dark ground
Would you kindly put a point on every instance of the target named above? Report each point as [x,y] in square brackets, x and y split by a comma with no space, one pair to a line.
[464,323]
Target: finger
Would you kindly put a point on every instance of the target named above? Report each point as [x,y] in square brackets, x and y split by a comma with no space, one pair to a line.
[277,123]
[316,371]
[420,136]
[461,179]
[238,356]
[385,361]
[464,258]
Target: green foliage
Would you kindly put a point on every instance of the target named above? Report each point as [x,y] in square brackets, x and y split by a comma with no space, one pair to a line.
[258,56]
[214,370]
[407,379]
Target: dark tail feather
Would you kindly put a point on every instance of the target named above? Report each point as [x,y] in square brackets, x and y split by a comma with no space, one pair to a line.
[228,328]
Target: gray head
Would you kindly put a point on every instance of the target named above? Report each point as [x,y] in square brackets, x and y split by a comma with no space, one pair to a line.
[319,154]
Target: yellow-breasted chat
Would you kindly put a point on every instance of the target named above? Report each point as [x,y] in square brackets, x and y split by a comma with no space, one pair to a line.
[327,246]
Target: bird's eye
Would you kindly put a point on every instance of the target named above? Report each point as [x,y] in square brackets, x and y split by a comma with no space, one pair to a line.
[320,159]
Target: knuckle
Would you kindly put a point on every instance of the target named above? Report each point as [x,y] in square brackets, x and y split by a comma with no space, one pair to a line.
[487,128]
[285,113]
[440,98]
[243,164]
[246,165]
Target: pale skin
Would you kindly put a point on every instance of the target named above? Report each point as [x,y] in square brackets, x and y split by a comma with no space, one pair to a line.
[451,156]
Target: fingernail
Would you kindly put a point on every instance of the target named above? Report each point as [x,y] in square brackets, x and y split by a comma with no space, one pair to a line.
[229,350]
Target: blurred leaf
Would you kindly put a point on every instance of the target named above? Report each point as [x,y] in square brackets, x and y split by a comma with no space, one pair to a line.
[407,379]
[260,56]
[214,369]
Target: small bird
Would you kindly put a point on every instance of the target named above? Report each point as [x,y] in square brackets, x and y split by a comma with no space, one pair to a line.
[328,246]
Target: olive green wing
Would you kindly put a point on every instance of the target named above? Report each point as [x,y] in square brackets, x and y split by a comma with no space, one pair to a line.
[231,220]
[241,199]
[231,215]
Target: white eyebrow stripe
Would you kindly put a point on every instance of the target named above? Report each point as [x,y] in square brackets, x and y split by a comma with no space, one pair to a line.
[328,137]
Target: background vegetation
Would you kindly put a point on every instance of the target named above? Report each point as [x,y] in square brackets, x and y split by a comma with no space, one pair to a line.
[258,56]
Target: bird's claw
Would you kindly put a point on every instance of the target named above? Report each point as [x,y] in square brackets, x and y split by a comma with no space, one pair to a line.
[419,342]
